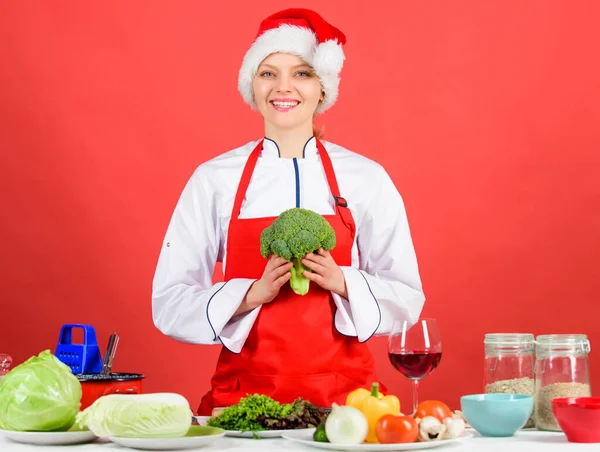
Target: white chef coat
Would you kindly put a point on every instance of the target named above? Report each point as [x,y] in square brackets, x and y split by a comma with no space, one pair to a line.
[383,282]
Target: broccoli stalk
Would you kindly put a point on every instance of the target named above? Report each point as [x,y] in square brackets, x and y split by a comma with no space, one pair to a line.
[298,282]
[292,235]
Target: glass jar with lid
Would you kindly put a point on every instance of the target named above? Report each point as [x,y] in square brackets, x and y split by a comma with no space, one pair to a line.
[561,370]
[510,364]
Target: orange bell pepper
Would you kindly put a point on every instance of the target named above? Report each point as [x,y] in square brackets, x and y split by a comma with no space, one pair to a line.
[373,405]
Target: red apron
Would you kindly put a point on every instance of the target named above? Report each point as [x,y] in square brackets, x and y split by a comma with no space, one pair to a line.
[293,349]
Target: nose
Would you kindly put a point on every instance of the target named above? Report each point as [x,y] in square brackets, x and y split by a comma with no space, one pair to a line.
[284,84]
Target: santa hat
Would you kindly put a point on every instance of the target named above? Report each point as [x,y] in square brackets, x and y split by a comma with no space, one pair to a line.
[300,32]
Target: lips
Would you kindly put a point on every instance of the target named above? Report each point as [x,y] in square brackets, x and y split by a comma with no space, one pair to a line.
[284,104]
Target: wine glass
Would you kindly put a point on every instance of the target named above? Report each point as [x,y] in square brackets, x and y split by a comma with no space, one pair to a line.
[415,349]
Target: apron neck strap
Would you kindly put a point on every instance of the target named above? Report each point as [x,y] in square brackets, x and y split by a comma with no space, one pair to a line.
[341,205]
[330,174]
[245,180]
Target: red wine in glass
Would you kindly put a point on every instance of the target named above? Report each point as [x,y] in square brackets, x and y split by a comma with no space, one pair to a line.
[415,350]
[416,364]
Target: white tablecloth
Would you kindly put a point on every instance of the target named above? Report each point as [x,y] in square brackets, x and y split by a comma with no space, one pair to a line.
[524,441]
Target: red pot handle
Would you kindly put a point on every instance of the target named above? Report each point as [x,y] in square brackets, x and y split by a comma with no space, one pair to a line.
[121,391]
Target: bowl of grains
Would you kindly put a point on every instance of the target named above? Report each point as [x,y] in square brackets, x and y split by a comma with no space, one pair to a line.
[579,418]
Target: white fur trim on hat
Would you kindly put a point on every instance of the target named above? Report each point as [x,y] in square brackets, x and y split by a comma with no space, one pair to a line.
[326,59]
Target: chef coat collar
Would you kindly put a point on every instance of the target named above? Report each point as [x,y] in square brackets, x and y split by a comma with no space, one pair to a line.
[271,150]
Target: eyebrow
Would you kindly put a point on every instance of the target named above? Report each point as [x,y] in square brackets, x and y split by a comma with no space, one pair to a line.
[304,65]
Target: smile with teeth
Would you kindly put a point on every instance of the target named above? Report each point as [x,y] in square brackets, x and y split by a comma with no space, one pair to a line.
[286,104]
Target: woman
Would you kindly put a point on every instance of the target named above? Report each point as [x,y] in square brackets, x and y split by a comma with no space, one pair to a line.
[274,341]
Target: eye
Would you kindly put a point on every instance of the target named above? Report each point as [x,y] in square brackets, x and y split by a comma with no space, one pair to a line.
[304,74]
[266,74]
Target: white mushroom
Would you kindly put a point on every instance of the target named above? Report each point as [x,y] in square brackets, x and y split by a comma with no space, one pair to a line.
[431,429]
[459,415]
[454,428]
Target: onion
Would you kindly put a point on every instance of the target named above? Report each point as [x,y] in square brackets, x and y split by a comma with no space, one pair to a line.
[346,425]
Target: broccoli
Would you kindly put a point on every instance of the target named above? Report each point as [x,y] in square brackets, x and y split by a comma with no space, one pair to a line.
[293,234]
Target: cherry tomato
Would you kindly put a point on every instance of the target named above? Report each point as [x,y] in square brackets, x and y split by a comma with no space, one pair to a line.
[391,429]
[433,408]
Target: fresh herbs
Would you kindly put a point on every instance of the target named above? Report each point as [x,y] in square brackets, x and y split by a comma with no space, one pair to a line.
[260,412]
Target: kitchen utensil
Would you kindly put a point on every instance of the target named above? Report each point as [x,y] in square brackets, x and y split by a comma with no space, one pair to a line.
[81,358]
[497,414]
[94,386]
[109,356]
[579,418]
[415,350]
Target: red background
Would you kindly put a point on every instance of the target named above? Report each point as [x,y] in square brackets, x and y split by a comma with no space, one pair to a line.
[485,114]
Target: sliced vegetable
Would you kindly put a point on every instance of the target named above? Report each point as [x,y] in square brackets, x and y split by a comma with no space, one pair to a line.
[373,405]
[396,429]
[433,408]
[41,394]
[346,425]
[159,415]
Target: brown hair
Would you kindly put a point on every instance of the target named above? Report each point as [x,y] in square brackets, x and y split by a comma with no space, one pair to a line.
[318,132]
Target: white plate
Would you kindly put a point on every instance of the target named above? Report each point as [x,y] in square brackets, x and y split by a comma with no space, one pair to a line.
[197,436]
[269,433]
[50,438]
[305,438]
[260,434]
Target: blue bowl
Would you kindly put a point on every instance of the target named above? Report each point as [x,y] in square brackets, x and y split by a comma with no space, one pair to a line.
[497,414]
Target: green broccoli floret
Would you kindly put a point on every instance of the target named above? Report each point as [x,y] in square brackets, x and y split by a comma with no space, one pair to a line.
[292,235]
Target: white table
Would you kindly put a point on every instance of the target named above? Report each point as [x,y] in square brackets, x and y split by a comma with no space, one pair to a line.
[525,441]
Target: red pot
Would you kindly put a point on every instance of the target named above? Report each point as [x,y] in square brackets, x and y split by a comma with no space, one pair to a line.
[94,386]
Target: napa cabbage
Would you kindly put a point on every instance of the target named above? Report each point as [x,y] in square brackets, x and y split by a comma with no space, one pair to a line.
[155,415]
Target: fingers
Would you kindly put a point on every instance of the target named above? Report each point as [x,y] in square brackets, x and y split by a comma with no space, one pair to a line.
[281,270]
[316,258]
[314,266]
[321,257]
[275,261]
[282,279]
[314,277]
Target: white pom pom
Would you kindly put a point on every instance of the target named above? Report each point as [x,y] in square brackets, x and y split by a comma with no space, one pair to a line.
[329,58]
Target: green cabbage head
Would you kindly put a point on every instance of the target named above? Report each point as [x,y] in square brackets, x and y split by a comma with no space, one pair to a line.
[39,395]
[153,415]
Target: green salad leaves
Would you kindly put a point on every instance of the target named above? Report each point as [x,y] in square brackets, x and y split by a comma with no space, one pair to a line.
[260,412]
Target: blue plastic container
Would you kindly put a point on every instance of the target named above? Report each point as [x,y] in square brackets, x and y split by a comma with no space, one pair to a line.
[81,358]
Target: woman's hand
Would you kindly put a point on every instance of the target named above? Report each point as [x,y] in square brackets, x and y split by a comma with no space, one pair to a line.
[264,290]
[325,272]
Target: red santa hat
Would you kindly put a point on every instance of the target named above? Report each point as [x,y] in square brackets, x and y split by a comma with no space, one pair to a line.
[300,32]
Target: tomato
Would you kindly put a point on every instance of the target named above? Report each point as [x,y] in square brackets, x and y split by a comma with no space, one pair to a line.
[433,408]
[391,429]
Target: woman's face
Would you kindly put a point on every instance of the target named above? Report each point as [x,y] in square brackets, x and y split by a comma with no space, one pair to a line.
[286,91]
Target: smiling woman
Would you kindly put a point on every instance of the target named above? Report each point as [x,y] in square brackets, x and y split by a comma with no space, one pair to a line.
[277,342]
[287,93]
